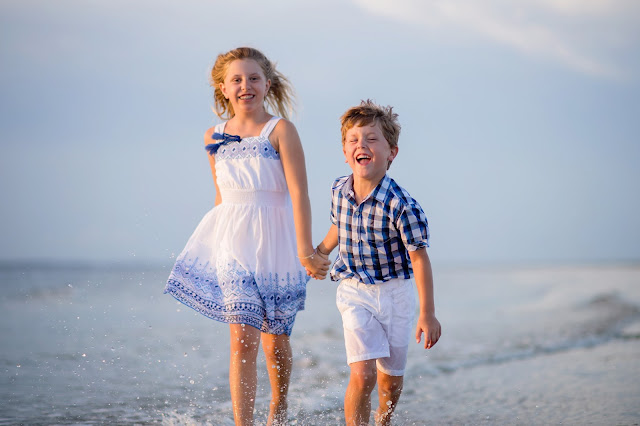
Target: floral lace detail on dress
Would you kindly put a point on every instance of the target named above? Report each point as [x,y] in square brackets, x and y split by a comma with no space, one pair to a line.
[254,146]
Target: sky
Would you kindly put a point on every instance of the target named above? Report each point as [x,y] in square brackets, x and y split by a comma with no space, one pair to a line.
[520,131]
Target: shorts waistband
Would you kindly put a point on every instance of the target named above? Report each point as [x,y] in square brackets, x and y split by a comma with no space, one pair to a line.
[394,282]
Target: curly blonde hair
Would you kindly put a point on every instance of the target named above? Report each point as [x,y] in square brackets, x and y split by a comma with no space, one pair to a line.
[279,98]
[368,112]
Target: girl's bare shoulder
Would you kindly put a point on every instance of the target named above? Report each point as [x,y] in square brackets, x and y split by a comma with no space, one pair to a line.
[208,134]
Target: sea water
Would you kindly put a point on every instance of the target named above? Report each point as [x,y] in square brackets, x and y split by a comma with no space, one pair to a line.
[84,344]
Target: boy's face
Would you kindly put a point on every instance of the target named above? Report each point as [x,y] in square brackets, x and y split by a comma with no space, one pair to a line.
[368,152]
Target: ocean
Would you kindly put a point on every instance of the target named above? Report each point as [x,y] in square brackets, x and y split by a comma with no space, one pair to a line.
[521,345]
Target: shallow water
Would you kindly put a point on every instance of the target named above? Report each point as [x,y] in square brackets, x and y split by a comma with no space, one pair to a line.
[85,345]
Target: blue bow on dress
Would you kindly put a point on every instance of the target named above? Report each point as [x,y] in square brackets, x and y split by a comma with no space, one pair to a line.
[225,138]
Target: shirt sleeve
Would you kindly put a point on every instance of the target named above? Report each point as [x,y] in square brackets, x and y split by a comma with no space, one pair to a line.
[413,227]
[335,189]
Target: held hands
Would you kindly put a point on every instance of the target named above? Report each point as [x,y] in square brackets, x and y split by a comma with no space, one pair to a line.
[317,265]
[429,324]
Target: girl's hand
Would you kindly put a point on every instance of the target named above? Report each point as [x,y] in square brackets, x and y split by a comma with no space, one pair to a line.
[429,324]
[317,265]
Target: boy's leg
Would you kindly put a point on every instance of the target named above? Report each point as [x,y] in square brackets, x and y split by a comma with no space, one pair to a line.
[277,351]
[243,375]
[357,399]
[389,390]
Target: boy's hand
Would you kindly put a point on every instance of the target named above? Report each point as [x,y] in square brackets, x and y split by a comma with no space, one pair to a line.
[429,324]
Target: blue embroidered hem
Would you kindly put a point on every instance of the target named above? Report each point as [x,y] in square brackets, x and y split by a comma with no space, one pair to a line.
[232,313]
[232,295]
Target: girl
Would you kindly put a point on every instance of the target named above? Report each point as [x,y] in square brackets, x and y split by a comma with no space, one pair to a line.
[240,265]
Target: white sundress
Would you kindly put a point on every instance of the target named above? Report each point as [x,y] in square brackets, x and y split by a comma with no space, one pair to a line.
[240,264]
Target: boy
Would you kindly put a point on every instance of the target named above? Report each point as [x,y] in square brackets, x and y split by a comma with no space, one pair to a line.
[382,235]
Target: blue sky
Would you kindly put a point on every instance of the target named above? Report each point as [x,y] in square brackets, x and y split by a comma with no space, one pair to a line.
[520,131]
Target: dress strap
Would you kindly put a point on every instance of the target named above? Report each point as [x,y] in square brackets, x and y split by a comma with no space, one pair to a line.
[220,127]
[268,128]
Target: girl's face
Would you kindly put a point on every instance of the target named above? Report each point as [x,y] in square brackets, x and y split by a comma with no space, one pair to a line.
[245,85]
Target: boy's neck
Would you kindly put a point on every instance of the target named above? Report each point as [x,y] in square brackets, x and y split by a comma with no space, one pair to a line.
[363,187]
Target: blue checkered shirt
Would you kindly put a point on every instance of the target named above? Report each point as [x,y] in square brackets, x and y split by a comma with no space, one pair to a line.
[375,236]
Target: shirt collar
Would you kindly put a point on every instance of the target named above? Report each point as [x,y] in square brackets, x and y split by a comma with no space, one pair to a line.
[379,193]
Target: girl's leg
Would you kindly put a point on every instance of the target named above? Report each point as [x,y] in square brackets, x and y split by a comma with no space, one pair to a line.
[389,390]
[277,351]
[242,371]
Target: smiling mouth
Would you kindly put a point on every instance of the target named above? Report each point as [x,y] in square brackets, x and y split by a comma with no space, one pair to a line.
[363,159]
[246,97]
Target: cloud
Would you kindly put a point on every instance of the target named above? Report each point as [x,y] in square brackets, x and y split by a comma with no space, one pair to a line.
[589,36]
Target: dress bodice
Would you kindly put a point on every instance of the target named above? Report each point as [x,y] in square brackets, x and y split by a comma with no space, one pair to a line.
[251,164]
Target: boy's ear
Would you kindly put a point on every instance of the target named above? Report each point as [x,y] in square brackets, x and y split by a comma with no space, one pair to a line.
[394,152]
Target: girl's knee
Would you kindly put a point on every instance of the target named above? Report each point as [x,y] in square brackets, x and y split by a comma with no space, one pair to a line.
[244,341]
[276,348]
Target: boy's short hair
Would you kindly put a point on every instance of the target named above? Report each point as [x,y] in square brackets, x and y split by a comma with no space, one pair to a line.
[368,112]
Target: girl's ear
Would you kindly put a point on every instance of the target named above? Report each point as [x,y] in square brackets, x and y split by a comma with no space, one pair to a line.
[267,89]
[223,90]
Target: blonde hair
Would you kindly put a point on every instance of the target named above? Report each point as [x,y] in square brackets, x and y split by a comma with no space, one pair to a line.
[368,112]
[279,98]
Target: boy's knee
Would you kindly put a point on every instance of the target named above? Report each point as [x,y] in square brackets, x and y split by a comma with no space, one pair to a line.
[390,385]
[363,375]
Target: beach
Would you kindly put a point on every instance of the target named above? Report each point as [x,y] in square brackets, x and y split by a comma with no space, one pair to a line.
[521,345]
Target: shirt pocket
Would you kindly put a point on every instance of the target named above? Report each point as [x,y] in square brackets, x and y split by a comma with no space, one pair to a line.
[377,238]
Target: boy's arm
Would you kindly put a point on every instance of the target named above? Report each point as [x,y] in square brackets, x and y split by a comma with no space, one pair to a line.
[329,243]
[427,321]
[323,251]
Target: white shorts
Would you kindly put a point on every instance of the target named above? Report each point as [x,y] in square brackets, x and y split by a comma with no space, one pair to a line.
[378,322]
